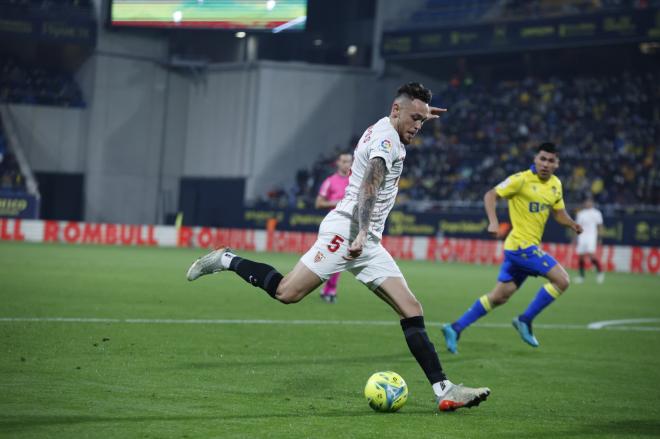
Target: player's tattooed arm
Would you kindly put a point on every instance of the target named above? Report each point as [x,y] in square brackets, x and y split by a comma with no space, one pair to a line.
[373,179]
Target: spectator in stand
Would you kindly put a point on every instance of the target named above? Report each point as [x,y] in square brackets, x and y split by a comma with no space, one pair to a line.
[11,179]
[609,129]
[24,84]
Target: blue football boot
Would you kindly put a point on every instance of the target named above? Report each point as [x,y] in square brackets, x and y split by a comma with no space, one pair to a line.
[525,331]
[451,338]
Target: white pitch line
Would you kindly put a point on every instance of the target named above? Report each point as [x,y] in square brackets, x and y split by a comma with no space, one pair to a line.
[592,326]
[606,323]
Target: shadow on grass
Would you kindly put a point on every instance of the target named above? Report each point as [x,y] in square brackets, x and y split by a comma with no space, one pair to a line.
[284,360]
[625,428]
[19,423]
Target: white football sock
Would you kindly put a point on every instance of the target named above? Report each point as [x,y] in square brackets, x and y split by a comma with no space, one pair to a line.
[226,258]
[442,387]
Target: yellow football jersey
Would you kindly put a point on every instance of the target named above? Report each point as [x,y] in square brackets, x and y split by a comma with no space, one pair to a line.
[530,200]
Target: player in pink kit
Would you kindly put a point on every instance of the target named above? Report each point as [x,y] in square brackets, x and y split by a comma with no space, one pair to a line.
[330,193]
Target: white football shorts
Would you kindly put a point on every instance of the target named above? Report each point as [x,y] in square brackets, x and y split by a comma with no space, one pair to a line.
[586,244]
[326,256]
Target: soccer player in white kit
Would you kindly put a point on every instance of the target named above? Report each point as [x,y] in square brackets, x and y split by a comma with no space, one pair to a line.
[591,221]
[349,239]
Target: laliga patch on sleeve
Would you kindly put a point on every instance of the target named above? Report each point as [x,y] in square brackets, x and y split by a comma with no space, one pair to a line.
[386,145]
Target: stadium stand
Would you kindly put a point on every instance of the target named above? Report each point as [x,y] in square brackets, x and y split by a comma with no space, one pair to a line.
[50,4]
[24,84]
[11,179]
[608,129]
[443,12]
[3,144]
[438,13]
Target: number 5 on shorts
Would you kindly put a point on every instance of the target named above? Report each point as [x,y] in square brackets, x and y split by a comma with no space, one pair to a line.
[335,243]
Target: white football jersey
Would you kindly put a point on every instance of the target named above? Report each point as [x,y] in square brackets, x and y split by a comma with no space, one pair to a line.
[379,140]
[589,219]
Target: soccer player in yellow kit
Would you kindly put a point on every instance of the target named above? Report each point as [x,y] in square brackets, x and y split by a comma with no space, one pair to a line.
[531,195]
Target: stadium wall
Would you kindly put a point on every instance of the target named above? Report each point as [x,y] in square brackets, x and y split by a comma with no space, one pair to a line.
[148,124]
[125,142]
[118,139]
[304,111]
[145,127]
[53,138]
[625,259]
[264,121]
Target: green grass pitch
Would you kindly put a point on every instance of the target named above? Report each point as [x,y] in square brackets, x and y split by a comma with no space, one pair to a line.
[283,378]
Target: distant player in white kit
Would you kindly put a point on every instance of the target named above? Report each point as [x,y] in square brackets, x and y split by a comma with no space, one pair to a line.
[331,192]
[349,239]
[591,221]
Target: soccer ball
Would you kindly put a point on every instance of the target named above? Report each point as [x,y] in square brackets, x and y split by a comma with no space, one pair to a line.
[386,391]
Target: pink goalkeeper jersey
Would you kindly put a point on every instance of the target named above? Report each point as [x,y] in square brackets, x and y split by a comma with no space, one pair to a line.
[333,188]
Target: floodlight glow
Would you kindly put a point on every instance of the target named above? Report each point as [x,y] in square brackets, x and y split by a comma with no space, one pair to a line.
[289,24]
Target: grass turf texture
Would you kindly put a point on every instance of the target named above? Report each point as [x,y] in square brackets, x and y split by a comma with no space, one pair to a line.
[60,379]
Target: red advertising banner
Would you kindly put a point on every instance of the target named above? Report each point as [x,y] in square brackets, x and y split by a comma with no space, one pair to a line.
[625,259]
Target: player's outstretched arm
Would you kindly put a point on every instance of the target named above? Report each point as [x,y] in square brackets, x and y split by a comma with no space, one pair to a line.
[563,218]
[373,179]
[490,204]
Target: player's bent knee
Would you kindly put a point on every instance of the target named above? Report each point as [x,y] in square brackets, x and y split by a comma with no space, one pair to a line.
[415,309]
[409,308]
[288,295]
[559,278]
[562,282]
[288,299]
